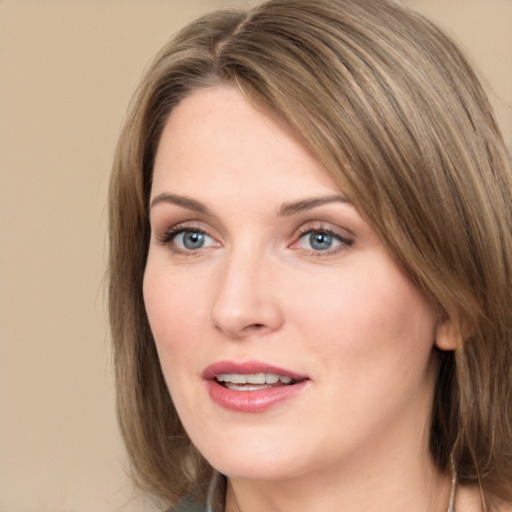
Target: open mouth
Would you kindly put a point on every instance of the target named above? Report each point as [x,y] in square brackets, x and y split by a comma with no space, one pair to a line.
[252,386]
[253,381]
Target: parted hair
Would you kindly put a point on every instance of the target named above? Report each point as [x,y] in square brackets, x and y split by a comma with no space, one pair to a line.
[395,113]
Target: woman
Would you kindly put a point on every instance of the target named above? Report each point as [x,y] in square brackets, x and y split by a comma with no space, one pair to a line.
[310,267]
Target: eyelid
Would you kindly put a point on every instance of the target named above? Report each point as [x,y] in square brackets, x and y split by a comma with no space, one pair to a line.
[165,229]
[166,236]
[320,227]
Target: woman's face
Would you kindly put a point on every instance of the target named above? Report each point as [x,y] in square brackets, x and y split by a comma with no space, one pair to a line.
[290,340]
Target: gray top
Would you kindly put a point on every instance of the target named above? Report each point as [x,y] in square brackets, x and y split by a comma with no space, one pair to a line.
[187,506]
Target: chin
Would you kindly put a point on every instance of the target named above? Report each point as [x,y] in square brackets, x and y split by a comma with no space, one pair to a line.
[249,455]
[255,468]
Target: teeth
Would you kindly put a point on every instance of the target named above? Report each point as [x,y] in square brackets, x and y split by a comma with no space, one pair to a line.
[245,387]
[253,378]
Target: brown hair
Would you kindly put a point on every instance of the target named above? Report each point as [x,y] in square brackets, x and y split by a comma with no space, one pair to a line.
[393,110]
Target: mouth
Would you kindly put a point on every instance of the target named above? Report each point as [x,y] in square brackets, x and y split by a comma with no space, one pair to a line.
[251,386]
[253,381]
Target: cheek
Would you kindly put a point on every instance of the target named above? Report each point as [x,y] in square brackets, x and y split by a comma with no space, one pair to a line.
[375,316]
[173,311]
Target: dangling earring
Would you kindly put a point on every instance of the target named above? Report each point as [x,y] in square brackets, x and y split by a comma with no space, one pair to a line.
[451,503]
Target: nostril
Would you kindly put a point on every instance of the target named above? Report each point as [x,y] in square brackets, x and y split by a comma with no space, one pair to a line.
[254,327]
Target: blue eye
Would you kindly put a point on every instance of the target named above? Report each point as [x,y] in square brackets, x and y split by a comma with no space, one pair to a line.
[191,240]
[320,240]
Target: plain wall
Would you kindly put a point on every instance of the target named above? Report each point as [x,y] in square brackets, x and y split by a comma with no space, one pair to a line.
[67,72]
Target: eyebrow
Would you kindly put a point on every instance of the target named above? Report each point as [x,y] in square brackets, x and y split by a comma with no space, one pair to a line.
[184,202]
[285,210]
[310,203]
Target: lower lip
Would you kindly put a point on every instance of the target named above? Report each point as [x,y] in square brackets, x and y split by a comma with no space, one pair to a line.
[252,401]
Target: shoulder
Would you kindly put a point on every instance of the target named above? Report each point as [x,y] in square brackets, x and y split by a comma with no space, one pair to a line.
[469,499]
[504,507]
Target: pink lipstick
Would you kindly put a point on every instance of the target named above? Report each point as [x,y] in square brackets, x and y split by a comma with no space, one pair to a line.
[251,386]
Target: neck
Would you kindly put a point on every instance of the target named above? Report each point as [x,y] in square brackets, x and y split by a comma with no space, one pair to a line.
[396,485]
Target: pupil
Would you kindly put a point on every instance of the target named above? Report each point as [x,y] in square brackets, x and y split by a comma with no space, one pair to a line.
[320,241]
[193,240]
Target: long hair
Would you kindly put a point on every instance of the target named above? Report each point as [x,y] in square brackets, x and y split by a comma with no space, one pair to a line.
[394,112]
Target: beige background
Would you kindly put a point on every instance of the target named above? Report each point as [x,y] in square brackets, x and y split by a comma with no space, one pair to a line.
[68,69]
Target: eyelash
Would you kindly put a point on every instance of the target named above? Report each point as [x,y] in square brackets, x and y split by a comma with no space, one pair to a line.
[170,235]
[344,243]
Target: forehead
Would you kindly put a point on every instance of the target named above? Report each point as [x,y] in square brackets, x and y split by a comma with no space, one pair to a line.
[215,140]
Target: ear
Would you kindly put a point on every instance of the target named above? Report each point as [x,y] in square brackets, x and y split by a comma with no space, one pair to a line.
[448,335]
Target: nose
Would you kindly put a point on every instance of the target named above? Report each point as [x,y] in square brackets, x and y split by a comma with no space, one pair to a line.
[246,302]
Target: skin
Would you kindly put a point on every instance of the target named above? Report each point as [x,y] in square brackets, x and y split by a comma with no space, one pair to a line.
[356,436]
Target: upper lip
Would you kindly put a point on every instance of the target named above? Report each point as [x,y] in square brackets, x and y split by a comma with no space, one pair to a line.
[246,368]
